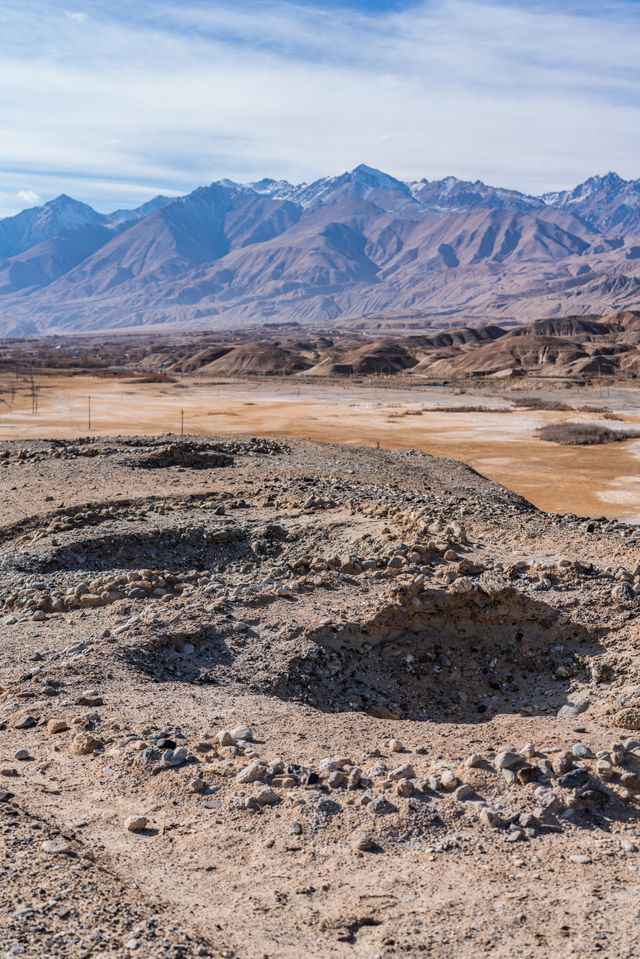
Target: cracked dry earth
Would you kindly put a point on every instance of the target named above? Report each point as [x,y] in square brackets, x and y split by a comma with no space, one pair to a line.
[262,700]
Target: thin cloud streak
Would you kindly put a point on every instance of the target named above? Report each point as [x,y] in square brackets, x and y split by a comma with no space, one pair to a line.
[124,102]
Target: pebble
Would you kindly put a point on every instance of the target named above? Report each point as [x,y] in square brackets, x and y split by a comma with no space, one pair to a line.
[380,806]
[406,771]
[463,792]
[242,734]
[581,860]
[395,746]
[506,759]
[573,709]
[22,754]
[581,751]
[175,757]
[474,761]
[449,781]
[25,722]
[364,843]
[266,796]
[84,744]
[251,773]
[56,847]
[57,726]
[135,823]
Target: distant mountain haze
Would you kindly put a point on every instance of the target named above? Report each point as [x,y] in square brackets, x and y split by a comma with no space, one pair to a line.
[340,250]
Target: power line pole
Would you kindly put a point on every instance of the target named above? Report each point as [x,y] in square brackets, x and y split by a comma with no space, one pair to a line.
[34,394]
[181,422]
[89,412]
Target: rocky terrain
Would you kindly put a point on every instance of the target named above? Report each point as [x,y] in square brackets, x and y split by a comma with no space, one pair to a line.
[262,698]
[358,246]
[572,348]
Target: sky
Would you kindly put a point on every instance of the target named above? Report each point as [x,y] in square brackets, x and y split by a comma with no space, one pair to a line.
[114,101]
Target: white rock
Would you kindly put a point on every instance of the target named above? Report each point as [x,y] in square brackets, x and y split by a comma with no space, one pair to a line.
[135,823]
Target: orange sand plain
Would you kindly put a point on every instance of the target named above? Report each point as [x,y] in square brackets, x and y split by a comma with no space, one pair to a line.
[590,481]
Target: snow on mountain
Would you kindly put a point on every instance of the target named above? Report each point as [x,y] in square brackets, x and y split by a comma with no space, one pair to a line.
[232,254]
[451,195]
[609,203]
[41,223]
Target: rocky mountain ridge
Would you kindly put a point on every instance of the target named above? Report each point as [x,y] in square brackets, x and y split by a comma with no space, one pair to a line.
[344,248]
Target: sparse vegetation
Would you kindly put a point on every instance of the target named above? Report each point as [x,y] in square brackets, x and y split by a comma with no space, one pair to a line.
[539,403]
[584,434]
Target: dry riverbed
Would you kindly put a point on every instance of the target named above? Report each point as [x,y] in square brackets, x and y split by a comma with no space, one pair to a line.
[499,441]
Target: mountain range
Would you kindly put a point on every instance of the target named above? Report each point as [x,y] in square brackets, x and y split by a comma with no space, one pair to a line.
[360,249]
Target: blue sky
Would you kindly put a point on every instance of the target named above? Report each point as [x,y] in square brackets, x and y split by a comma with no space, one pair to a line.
[114,101]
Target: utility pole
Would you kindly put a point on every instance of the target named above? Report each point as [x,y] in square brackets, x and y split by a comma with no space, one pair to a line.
[89,412]
[34,394]
[181,422]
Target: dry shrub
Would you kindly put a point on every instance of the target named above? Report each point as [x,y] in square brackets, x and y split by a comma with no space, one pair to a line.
[538,403]
[584,434]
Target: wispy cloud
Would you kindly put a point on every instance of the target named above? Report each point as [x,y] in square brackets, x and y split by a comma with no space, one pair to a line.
[28,197]
[161,96]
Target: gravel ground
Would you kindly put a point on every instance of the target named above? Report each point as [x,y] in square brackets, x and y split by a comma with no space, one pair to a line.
[262,698]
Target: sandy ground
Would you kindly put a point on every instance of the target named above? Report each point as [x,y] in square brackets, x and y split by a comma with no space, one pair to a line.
[590,481]
[515,625]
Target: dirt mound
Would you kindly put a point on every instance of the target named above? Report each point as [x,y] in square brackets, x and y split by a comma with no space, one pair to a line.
[384,357]
[195,361]
[261,358]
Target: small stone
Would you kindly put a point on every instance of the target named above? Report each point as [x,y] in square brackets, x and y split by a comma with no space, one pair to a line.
[57,726]
[628,718]
[135,823]
[22,754]
[604,770]
[266,796]
[406,771]
[90,698]
[296,829]
[25,722]
[56,847]
[175,757]
[381,806]
[84,744]
[242,733]
[507,759]
[516,835]
[573,709]
[581,751]
[251,773]
[463,792]
[628,780]
[364,843]
[574,779]
[581,860]
[225,738]
[395,746]
[449,781]
[336,779]
[404,788]
[474,761]
[563,762]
